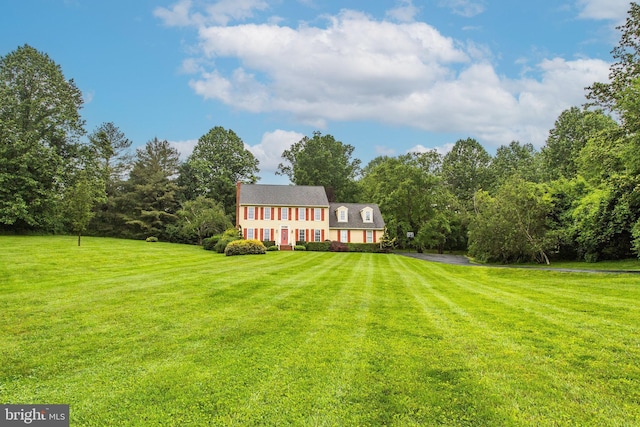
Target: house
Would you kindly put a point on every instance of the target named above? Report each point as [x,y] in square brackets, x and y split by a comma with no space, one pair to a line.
[288,214]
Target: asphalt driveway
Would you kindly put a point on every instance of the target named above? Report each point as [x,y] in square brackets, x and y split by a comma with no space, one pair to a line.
[463,260]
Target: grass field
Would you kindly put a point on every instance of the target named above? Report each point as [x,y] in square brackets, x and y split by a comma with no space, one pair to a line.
[145,334]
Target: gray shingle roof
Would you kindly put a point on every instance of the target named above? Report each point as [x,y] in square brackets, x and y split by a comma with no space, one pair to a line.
[354,219]
[283,195]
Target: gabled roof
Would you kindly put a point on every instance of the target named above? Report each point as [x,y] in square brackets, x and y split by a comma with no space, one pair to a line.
[283,195]
[354,219]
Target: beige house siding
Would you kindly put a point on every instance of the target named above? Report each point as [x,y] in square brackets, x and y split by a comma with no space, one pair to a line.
[284,224]
[287,214]
[355,235]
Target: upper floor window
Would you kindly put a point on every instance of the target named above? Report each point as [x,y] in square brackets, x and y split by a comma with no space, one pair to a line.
[317,212]
[342,214]
[302,214]
[285,214]
[367,214]
[267,214]
[251,212]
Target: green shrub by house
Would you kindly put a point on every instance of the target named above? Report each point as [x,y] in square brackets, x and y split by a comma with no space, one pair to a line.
[228,236]
[245,247]
[318,246]
[210,243]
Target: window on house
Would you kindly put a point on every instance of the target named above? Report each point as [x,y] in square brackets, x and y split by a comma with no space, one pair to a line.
[285,214]
[342,215]
[318,214]
[301,214]
[301,234]
[251,233]
[251,212]
[344,236]
[267,214]
[369,236]
[317,235]
[367,216]
[267,233]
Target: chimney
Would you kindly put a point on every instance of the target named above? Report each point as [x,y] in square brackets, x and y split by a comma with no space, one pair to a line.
[238,185]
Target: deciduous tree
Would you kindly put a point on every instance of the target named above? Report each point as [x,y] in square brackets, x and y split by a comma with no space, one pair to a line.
[219,160]
[323,160]
[40,124]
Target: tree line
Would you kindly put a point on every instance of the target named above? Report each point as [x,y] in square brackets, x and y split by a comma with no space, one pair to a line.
[575,198]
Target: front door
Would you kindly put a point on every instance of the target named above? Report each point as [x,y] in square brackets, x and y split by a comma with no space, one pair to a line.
[284,236]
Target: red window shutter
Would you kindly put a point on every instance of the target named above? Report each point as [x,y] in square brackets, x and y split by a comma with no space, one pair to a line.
[246,214]
[261,213]
[273,234]
[308,214]
[273,213]
[297,215]
[348,236]
[364,236]
[306,235]
[322,236]
[279,214]
[244,231]
[374,236]
[323,216]
[262,234]
[290,214]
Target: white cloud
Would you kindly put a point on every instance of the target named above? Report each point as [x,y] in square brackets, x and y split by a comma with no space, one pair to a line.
[269,150]
[405,12]
[178,16]
[615,10]
[221,12]
[185,148]
[466,8]
[405,74]
[384,151]
[441,149]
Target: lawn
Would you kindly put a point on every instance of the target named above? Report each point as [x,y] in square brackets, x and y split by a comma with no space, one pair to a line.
[132,333]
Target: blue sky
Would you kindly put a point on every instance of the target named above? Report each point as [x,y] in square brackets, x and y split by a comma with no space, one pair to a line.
[387,77]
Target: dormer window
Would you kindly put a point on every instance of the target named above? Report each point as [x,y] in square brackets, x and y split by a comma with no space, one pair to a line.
[367,214]
[343,214]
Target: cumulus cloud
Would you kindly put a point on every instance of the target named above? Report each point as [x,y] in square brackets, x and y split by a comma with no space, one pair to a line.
[615,10]
[273,144]
[400,73]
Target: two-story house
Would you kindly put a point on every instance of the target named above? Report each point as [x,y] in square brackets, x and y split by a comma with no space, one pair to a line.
[290,213]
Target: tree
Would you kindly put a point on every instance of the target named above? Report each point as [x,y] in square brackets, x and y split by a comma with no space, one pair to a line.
[203,217]
[152,189]
[515,159]
[410,195]
[512,226]
[110,149]
[219,160]
[79,201]
[570,134]
[626,68]
[40,124]
[322,160]
[465,169]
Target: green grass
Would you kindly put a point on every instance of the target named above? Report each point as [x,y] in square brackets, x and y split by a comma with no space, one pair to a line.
[142,334]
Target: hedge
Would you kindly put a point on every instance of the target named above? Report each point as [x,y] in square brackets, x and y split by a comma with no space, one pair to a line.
[245,247]
[343,247]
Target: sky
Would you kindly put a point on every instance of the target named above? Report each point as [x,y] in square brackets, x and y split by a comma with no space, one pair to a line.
[386,76]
